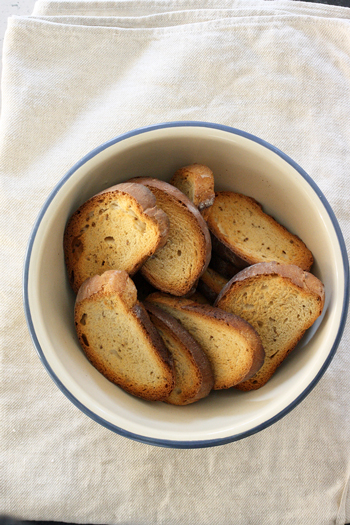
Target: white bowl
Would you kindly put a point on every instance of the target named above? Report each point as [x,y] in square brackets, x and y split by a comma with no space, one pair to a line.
[242,163]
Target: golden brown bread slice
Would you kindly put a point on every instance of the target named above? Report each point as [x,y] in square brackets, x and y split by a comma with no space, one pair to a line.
[210,284]
[281,301]
[243,234]
[197,182]
[232,346]
[118,228]
[119,339]
[177,266]
[194,377]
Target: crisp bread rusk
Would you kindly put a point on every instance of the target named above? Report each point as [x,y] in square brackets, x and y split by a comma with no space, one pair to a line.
[119,339]
[197,182]
[177,266]
[194,377]
[243,234]
[117,229]
[231,344]
[281,301]
[210,284]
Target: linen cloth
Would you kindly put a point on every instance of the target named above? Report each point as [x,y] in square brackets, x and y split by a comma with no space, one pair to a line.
[76,74]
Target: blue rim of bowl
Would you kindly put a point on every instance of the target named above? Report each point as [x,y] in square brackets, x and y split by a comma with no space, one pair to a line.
[195,443]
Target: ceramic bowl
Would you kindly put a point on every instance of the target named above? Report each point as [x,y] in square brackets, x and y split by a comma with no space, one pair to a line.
[242,163]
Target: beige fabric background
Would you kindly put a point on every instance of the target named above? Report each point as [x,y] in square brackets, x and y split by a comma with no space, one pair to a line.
[79,73]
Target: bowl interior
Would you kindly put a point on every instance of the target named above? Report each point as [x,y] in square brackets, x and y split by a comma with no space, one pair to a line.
[239,164]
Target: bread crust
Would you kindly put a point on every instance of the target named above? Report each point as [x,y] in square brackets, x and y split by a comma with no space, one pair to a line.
[227,247]
[109,282]
[197,227]
[305,282]
[141,314]
[78,227]
[209,312]
[100,289]
[201,180]
[194,353]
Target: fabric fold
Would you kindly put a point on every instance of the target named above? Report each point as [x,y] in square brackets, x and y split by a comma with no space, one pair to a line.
[76,74]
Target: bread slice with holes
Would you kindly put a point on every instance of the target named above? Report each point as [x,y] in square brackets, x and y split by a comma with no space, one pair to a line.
[243,234]
[119,339]
[177,266]
[231,344]
[210,284]
[197,182]
[194,377]
[281,301]
[118,228]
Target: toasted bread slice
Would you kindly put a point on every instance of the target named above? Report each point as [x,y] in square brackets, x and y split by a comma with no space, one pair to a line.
[177,266]
[194,377]
[119,339]
[243,234]
[118,229]
[197,182]
[210,284]
[281,301]
[232,346]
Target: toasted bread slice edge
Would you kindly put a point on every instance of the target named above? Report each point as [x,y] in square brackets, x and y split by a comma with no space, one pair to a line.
[194,353]
[208,312]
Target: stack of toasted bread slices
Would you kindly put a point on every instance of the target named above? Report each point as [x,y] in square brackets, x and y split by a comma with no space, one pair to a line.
[227,291]
[232,346]
[177,266]
[194,377]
